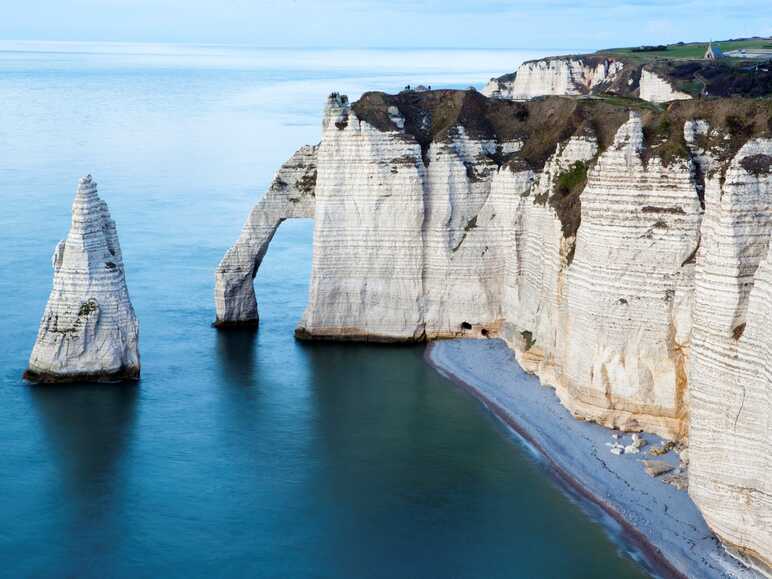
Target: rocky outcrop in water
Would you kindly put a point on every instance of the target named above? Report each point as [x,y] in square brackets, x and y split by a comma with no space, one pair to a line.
[291,194]
[615,250]
[89,331]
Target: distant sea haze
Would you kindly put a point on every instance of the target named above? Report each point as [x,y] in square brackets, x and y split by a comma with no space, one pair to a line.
[241,453]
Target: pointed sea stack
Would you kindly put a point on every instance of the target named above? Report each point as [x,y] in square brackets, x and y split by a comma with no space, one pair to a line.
[89,331]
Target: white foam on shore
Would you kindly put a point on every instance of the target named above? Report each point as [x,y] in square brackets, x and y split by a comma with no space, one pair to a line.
[663,516]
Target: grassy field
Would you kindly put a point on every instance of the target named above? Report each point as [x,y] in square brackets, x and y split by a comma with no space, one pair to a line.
[690,51]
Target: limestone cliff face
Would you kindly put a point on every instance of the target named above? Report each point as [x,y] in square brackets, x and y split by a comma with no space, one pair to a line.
[555,76]
[616,251]
[730,400]
[622,73]
[88,330]
[407,238]
[656,89]
[615,340]
[367,268]
[586,75]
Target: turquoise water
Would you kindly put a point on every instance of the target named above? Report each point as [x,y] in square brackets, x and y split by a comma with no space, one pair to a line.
[240,453]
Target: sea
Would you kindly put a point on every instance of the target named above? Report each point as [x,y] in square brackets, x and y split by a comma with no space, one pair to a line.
[239,453]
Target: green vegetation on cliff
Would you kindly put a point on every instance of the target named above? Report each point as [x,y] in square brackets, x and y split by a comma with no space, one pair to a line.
[686,51]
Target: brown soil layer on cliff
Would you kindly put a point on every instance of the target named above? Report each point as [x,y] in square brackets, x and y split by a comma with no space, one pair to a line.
[565,199]
[434,116]
[736,120]
[541,124]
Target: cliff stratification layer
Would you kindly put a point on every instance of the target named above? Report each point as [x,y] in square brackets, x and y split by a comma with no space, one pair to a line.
[88,330]
[614,248]
[730,430]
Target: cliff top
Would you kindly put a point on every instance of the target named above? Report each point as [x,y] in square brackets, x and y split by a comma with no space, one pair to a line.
[731,50]
[540,124]
[743,69]
[736,50]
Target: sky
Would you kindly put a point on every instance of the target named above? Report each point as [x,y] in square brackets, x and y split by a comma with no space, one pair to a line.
[535,24]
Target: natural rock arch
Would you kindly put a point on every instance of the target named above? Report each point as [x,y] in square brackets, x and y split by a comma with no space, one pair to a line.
[291,195]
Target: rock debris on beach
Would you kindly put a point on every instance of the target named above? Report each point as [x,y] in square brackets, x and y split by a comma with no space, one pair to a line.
[656,467]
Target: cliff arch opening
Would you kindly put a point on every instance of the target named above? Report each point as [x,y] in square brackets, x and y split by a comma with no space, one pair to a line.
[290,196]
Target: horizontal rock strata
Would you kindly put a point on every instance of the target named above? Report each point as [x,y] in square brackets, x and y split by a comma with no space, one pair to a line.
[730,432]
[614,250]
[89,330]
[615,345]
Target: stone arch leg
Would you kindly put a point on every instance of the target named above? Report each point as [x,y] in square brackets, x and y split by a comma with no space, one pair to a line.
[291,195]
[234,294]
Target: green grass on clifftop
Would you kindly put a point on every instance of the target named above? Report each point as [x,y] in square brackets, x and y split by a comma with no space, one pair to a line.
[687,51]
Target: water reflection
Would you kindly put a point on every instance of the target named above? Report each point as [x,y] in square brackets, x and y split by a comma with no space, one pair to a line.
[397,446]
[88,428]
[236,354]
[88,431]
[239,384]
[409,464]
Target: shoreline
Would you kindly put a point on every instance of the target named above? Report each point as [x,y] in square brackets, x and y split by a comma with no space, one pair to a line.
[661,522]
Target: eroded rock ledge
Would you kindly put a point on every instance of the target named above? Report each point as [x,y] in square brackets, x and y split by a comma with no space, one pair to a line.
[613,245]
[89,331]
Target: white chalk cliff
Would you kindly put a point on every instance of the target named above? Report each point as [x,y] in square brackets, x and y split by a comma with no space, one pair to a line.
[609,332]
[554,76]
[89,330]
[730,430]
[407,241]
[584,76]
[656,89]
[586,247]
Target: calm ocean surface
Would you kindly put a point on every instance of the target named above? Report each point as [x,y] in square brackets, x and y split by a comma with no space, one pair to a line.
[241,453]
